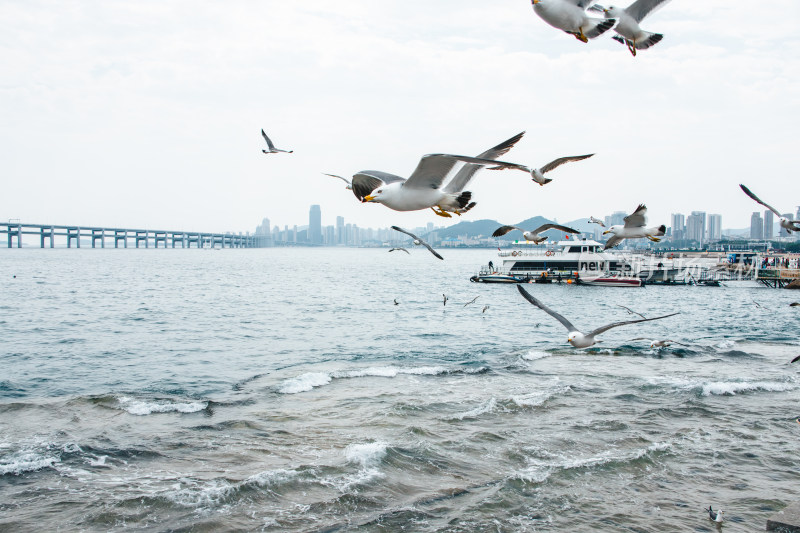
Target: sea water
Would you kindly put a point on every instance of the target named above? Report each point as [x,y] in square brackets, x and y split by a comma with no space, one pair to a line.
[283,390]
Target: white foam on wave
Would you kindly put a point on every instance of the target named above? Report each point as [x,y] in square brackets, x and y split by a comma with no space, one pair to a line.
[147,407]
[486,407]
[20,462]
[725,345]
[306,382]
[535,399]
[270,478]
[367,454]
[731,388]
[534,355]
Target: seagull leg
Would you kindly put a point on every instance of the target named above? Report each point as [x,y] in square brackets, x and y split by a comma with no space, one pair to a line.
[581,36]
[631,47]
[654,239]
[441,212]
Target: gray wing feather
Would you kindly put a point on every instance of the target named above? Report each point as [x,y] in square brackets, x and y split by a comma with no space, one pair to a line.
[269,143]
[367,181]
[600,330]
[567,324]
[335,176]
[502,230]
[545,227]
[641,8]
[434,168]
[561,160]
[757,199]
[465,174]
[637,218]
[612,242]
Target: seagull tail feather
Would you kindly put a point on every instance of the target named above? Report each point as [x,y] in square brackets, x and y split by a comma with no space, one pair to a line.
[464,199]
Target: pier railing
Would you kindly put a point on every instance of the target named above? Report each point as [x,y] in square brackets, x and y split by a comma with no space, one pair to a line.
[120,237]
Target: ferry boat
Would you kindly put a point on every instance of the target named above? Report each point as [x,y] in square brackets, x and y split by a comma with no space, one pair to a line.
[579,262]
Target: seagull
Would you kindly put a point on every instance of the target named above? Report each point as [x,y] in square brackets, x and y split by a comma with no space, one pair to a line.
[793,304]
[444,299]
[485,307]
[787,224]
[423,190]
[577,338]
[349,185]
[533,235]
[418,241]
[570,16]
[398,249]
[272,149]
[795,359]
[716,516]
[593,220]
[471,301]
[634,229]
[396,302]
[659,344]
[628,31]
[632,312]
[537,174]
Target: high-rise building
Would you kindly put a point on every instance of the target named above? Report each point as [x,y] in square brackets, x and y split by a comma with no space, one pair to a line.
[696,227]
[714,228]
[341,237]
[756,226]
[678,227]
[315,225]
[768,224]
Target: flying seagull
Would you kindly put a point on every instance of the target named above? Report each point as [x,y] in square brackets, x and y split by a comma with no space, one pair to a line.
[628,31]
[398,249]
[349,185]
[396,302]
[575,337]
[716,516]
[570,16]
[593,220]
[272,149]
[787,224]
[795,359]
[418,241]
[485,307]
[631,312]
[444,299]
[533,235]
[634,229]
[794,304]
[471,301]
[423,189]
[537,174]
[659,344]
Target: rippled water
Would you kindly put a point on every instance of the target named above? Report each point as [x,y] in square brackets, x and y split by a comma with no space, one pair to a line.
[282,389]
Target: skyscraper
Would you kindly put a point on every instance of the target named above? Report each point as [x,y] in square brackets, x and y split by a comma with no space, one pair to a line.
[768,224]
[315,225]
[678,227]
[696,227]
[340,232]
[714,228]
[756,226]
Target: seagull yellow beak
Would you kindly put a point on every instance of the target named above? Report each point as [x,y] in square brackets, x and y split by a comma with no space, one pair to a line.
[606,232]
[369,198]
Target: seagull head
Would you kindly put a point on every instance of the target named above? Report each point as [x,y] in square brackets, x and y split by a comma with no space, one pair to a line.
[613,12]
[571,337]
[612,229]
[374,196]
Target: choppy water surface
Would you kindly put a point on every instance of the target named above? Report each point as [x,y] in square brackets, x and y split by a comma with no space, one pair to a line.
[282,389]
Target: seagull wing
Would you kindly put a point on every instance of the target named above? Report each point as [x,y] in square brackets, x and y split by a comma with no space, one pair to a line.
[545,227]
[466,172]
[367,181]
[637,218]
[612,242]
[641,8]
[600,330]
[422,242]
[597,221]
[341,178]
[561,160]
[795,359]
[434,168]
[502,230]
[631,311]
[757,199]
[567,324]
[269,143]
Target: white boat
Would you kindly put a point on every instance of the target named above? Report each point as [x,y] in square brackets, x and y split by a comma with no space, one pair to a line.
[564,261]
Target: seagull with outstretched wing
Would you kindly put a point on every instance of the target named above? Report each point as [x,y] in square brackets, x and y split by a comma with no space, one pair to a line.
[418,241]
[786,223]
[533,235]
[634,228]
[628,31]
[570,16]
[272,149]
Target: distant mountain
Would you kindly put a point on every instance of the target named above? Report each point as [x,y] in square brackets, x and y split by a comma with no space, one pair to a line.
[484,228]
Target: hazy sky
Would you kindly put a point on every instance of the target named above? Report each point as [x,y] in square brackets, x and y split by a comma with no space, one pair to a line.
[148,113]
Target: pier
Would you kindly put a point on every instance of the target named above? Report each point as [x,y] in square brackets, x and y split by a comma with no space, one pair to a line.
[121,237]
[777,278]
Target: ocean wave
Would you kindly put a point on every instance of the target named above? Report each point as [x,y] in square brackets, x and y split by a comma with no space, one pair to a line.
[534,355]
[310,380]
[146,407]
[20,462]
[535,399]
[368,454]
[486,407]
[731,388]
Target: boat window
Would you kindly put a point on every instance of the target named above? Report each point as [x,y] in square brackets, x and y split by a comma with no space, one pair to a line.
[574,249]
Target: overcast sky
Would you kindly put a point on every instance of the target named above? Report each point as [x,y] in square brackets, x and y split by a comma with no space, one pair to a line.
[148,113]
